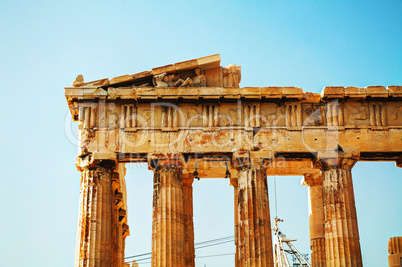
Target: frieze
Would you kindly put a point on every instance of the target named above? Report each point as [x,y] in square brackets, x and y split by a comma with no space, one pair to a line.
[173,116]
[357,114]
[394,113]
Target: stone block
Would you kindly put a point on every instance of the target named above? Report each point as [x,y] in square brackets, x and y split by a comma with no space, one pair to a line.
[355,92]
[208,92]
[292,92]
[209,62]
[71,92]
[230,93]
[168,69]
[120,79]
[333,92]
[214,77]
[126,93]
[186,65]
[141,75]
[377,91]
[271,92]
[395,91]
[97,83]
[251,92]
[188,93]
[147,93]
[312,97]
[168,92]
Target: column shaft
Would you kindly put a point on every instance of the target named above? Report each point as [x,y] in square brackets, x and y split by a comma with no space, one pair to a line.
[234,183]
[342,244]
[168,239]
[94,234]
[188,222]
[316,221]
[313,181]
[254,242]
[118,241]
[317,246]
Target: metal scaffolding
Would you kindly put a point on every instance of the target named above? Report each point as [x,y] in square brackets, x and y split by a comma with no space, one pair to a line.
[281,253]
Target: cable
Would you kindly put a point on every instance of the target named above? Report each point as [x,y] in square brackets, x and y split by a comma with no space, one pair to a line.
[217,255]
[195,248]
[215,244]
[143,259]
[203,244]
[199,257]
[214,240]
[139,255]
[276,204]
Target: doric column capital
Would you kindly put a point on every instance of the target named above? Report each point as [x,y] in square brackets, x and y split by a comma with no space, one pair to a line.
[398,162]
[312,178]
[248,159]
[327,160]
[188,181]
[165,160]
[96,161]
[234,182]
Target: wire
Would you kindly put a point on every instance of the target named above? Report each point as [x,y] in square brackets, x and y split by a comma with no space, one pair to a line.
[197,257]
[144,259]
[214,240]
[139,255]
[202,244]
[276,203]
[215,244]
[217,255]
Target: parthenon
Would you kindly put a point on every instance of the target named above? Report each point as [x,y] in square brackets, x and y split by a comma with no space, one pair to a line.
[192,120]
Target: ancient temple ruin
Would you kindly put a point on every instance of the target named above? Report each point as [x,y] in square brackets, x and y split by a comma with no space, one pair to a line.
[192,119]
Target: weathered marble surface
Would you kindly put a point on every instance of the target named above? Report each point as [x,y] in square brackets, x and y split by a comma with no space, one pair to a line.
[195,112]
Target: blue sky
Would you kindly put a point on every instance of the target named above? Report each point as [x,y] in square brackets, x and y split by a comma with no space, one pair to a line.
[46,44]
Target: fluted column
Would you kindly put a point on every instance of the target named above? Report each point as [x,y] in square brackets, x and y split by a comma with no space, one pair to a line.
[395,251]
[233,182]
[119,222]
[168,228]
[316,218]
[95,230]
[188,221]
[342,245]
[254,241]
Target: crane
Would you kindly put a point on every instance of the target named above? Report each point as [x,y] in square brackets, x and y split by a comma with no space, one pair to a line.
[281,253]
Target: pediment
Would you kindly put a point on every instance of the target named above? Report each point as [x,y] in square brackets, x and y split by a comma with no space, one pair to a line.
[199,72]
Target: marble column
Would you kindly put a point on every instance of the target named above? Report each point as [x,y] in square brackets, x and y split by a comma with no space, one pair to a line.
[119,219]
[395,251]
[95,221]
[395,243]
[188,221]
[233,182]
[168,225]
[254,239]
[313,181]
[342,245]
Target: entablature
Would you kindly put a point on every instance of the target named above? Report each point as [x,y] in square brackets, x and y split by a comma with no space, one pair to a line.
[122,116]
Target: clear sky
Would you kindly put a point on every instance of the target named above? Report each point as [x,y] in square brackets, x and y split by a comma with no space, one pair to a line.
[46,44]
